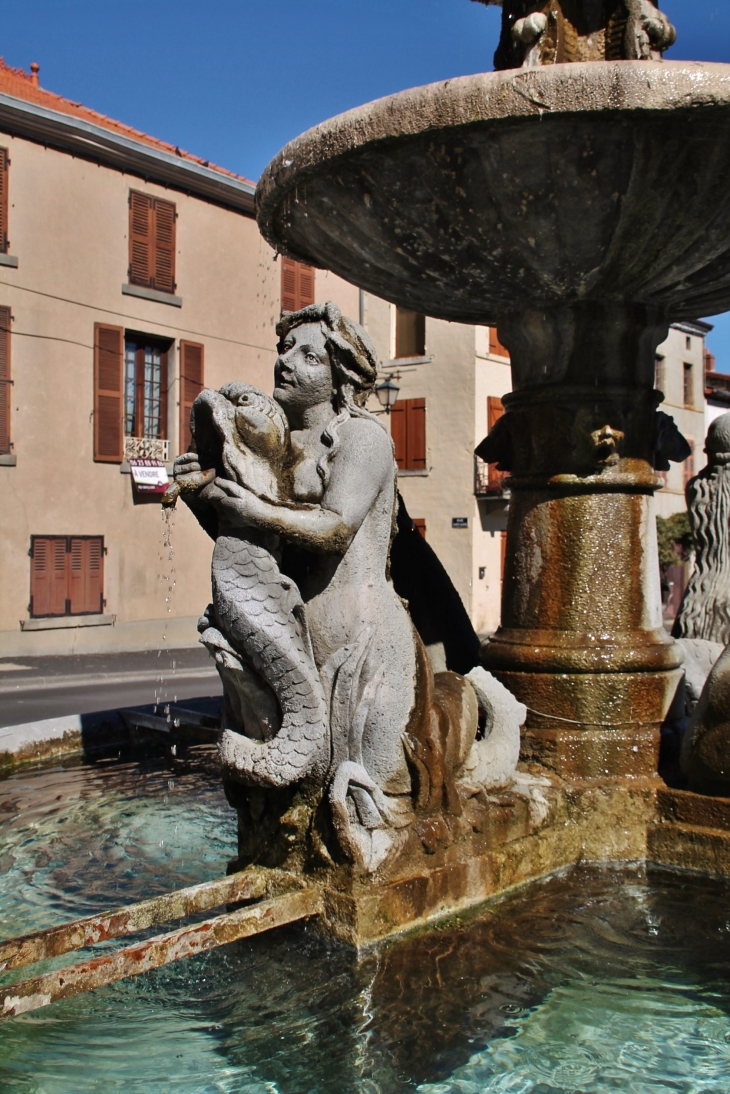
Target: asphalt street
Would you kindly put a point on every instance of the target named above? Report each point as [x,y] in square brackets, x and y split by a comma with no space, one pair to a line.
[32,689]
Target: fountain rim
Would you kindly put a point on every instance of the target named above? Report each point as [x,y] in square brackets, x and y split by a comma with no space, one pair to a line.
[591,87]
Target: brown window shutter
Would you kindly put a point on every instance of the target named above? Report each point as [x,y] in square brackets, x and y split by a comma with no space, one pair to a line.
[297,285]
[86,575]
[192,381]
[48,576]
[398,420]
[420,525]
[5,385]
[416,434]
[306,285]
[495,410]
[4,179]
[108,394]
[141,239]
[288,285]
[164,246]
[495,346]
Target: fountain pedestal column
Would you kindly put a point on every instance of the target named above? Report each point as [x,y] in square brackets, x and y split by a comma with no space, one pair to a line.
[581,641]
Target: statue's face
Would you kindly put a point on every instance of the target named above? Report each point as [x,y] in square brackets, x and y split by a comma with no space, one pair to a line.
[303,374]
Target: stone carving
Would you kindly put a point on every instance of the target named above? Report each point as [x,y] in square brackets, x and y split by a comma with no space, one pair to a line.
[705,756]
[545,32]
[335,723]
[705,609]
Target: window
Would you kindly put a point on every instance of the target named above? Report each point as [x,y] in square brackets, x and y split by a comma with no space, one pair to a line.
[688,386]
[66,575]
[297,285]
[659,373]
[495,346]
[408,430]
[151,242]
[145,387]
[5,381]
[4,179]
[130,395]
[688,467]
[192,364]
[419,523]
[688,342]
[410,333]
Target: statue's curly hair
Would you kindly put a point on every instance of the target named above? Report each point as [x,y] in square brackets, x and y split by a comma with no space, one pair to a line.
[354,362]
[353,355]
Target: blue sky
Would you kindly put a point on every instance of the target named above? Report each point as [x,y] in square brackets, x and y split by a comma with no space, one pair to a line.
[233,80]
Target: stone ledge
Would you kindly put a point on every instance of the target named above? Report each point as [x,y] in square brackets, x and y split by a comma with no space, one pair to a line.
[152,294]
[63,622]
[8,260]
[8,459]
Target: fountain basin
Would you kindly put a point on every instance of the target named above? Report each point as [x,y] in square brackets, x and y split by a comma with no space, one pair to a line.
[544,187]
[506,994]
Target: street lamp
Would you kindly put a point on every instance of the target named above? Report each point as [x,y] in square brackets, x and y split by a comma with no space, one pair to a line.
[387,393]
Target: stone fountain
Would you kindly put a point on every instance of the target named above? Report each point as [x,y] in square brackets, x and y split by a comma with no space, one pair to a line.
[576,198]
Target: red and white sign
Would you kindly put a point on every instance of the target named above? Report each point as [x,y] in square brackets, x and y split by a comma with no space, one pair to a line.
[149,476]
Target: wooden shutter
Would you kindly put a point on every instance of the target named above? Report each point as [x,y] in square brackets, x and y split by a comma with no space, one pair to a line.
[416,434]
[5,385]
[297,285]
[48,576]
[141,238]
[151,242]
[86,575]
[108,393]
[164,269]
[420,525]
[306,285]
[495,410]
[398,433]
[495,346]
[4,179]
[192,381]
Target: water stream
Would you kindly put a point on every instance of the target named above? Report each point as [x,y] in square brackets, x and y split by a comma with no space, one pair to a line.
[597,980]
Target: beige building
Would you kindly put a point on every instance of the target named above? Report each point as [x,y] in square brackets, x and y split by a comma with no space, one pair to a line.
[130,275]
[680,374]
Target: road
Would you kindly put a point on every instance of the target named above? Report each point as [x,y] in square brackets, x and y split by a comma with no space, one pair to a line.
[32,689]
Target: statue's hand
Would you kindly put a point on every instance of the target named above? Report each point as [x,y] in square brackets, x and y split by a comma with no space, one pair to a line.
[231,501]
[185,464]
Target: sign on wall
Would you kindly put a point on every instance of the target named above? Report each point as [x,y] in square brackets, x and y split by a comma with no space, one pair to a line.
[149,476]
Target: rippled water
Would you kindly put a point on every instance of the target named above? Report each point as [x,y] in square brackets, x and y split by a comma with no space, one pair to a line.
[595,981]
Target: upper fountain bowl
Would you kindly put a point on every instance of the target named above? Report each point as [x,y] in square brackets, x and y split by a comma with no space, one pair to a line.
[549,186]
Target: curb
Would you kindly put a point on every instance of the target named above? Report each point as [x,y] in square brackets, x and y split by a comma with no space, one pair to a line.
[41,683]
[53,736]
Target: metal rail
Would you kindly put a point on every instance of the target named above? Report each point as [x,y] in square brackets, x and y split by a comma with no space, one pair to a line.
[40,991]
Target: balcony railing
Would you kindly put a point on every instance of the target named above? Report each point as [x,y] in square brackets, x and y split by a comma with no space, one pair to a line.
[488,481]
[146,448]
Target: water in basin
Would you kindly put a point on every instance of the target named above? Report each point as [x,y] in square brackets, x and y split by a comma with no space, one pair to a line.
[596,980]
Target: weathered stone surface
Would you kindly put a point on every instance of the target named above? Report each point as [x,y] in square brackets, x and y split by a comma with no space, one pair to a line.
[338,739]
[705,609]
[699,659]
[705,754]
[450,198]
[558,31]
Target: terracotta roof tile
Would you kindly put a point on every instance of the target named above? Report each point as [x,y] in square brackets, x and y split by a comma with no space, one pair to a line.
[24,85]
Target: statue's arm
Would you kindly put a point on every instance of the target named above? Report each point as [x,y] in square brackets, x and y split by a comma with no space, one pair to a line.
[359,469]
